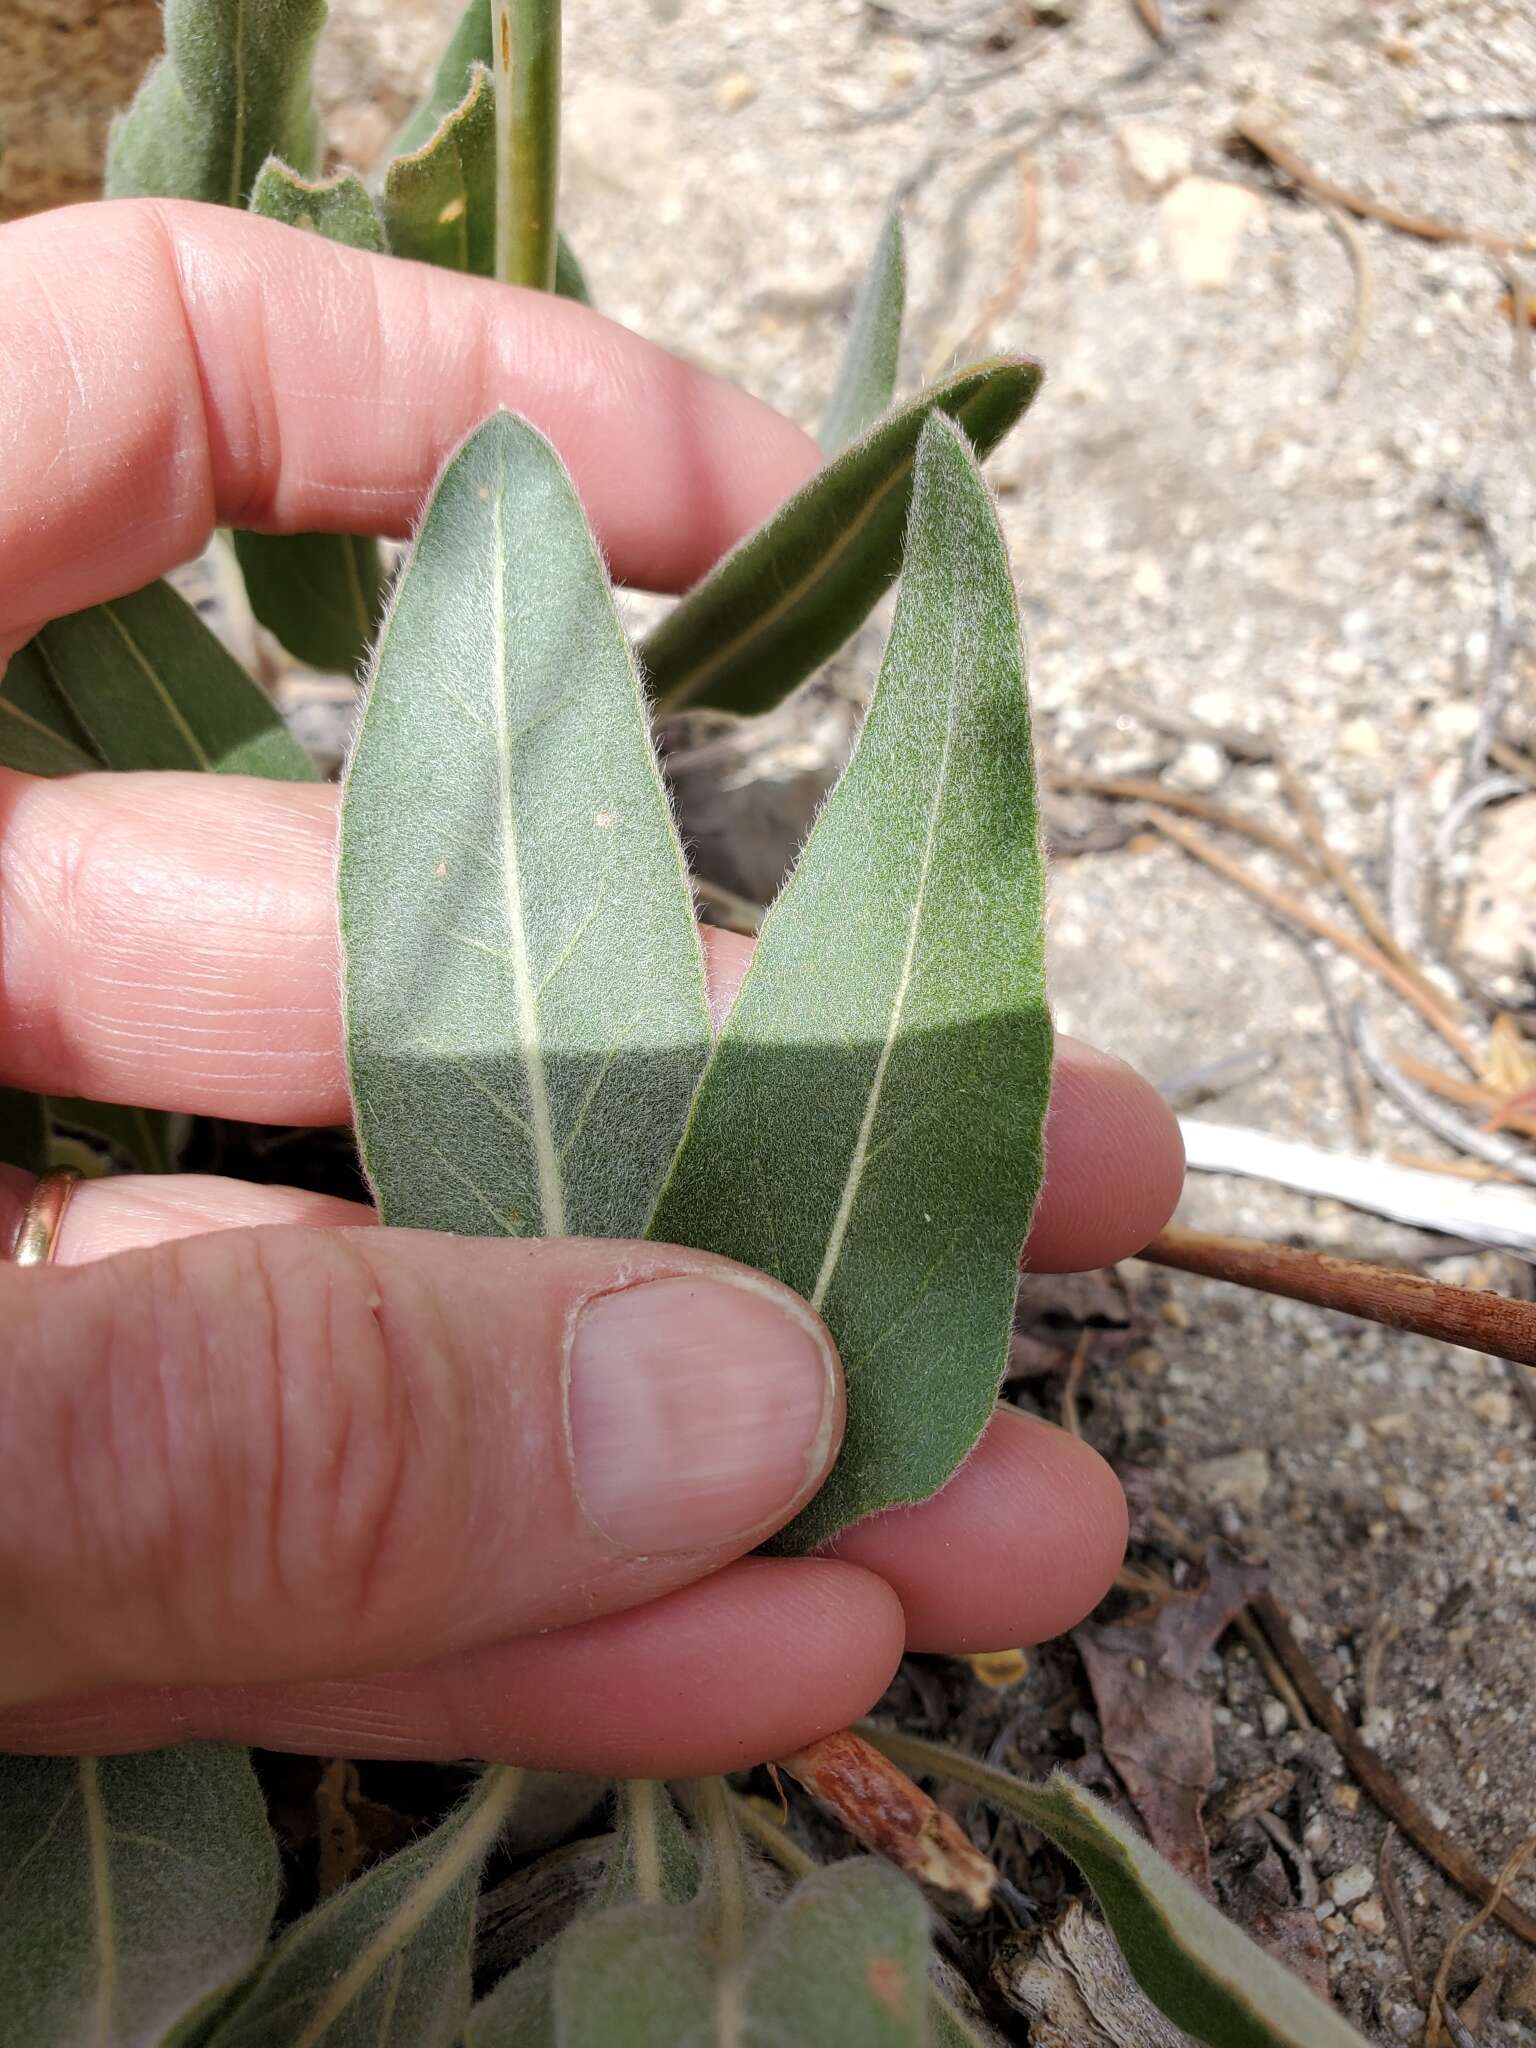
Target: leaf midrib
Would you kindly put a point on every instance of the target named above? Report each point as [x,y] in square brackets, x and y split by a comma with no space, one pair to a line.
[173,710]
[545,1151]
[855,1176]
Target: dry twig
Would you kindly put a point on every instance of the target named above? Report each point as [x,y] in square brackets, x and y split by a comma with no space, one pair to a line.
[1490,1323]
[1493,1902]
[1438,1012]
[1470,1094]
[1365,292]
[1394,1800]
[1139,789]
[1392,1893]
[1070,1419]
[1424,226]
[1490,1146]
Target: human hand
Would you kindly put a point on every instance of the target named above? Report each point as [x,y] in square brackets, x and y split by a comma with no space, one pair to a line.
[268,1472]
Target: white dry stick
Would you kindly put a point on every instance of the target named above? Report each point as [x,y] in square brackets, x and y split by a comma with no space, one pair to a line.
[1480,1212]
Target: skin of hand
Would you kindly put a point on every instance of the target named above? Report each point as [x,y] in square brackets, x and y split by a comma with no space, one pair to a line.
[267,1471]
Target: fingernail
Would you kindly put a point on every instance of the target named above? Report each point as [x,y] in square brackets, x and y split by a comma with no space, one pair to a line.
[702,1412]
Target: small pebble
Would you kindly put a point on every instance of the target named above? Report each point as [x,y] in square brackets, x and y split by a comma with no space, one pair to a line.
[1275,1718]
[736,90]
[1496,1406]
[1370,1917]
[1348,1886]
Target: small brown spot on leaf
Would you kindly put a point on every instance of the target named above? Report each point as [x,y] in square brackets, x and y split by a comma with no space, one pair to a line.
[603,818]
[887,1982]
[505,25]
[440,872]
[453,211]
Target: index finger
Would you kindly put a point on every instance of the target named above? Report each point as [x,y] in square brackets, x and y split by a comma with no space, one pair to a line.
[171,368]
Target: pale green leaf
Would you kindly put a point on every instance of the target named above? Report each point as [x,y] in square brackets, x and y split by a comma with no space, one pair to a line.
[384,1963]
[640,1975]
[339,209]
[842,1963]
[141,1138]
[440,200]
[866,382]
[1195,1965]
[320,594]
[23,1130]
[522,976]
[232,89]
[37,733]
[520,2011]
[153,687]
[869,1126]
[653,1862]
[471,44]
[788,597]
[130,1888]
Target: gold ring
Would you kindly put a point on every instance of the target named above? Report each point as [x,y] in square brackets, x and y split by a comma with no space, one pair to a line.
[40,1220]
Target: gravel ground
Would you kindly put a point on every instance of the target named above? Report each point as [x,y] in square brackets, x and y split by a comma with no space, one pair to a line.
[1279,477]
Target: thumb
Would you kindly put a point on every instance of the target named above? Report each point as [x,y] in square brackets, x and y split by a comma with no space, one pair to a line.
[296,1453]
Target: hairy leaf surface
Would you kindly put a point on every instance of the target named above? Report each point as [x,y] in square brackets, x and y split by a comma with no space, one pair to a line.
[130,1888]
[385,1963]
[866,382]
[37,733]
[1192,1962]
[340,209]
[320,594]
[869,1127]
[653,1861]
[153,687]
[440,200]
[842,1963]
[232,89]
[440,194]
[788,597]
[523,981]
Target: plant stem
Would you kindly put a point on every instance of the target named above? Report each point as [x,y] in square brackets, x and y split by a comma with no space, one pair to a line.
[527,52]
[638,1799]
[1480,1320]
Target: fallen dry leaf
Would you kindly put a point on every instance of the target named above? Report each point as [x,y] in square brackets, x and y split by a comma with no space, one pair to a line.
[1156,1723]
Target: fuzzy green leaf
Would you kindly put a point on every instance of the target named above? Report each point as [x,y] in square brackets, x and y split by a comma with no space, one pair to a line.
[869,1127]
[130,1888]
[153,687]
[232,89]
[470,45]
[520,2012]
[522,975]
[653,1863]
[788,597]
[385,1963]
[440,200]
[23,1130]
[339,209]
[320,594]
[866,382]
[843,1963]
[1195,1965]
[37,733]
[440,196]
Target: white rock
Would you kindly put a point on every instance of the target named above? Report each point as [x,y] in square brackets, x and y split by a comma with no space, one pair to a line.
[1199,768]
[1347,1887]
[736,90]
[1242,1478]
[1153,157]
[1275,1718]
[1206,222]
